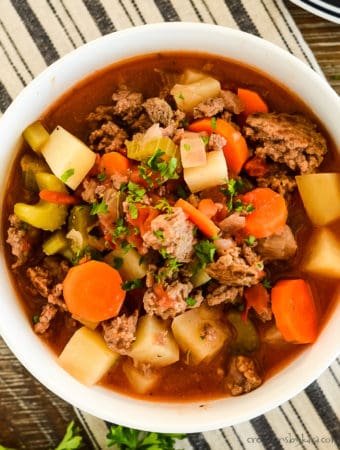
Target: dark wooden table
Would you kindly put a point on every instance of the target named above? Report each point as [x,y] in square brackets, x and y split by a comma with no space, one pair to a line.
[33,418]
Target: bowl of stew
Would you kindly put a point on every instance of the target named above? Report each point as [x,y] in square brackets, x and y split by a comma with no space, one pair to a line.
[170,227]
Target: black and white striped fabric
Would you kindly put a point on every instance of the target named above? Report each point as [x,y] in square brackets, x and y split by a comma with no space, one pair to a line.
[34,33]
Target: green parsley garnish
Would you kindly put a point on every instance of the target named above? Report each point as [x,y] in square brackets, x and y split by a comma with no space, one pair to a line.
[35,318]
[129,285]
[213,123]
[187,147]
[180,96]
[205,252]
[205,140]
[250,240]
[190,301]
[163,205]
[266,283]
[98,208]
[159,234]
[128,438]
[117,262]
[119,230]
[166,169]
[133,211]
[66,175]
[101,176]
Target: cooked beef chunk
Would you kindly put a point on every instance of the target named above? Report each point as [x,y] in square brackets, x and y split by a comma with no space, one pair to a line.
[55,297]
[242,376]
[174,233]
[172,301]
[47,314]
[223,294]
[108,138]
[208,108]
[232,223]
[232,102]
[216,142]
[100,115]
[18,239]
[127,105]
[281,245]
[158,110]
[141,124]
[120,332]
[237,267]
[291,139]
[40,279]
[279,180]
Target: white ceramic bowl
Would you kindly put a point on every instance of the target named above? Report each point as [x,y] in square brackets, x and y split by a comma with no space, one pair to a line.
[14,326]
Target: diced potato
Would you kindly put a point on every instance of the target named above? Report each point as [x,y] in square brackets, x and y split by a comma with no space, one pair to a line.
[86,356]
[154,343]
[128,263]
[141,382]
[200,333]
[190,76]
[45,215]
[68,157]
[193,152]
[213,173]
[322,256]
[86,323]
[187,96]
[36,135]
[320,193]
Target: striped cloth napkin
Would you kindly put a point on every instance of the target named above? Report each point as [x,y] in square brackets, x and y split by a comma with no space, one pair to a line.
[34,33]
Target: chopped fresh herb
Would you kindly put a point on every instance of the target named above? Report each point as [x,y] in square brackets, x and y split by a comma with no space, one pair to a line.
[163,252]
[266,283]
[190,301]
[180,96]
[117,262]
[205,252]
[187,147]
[240,307]
[128,438]
[67,175]
[250,240]
[166,169]
[101,176]
[98,208]
[213,123]
[35,318]
[72,439]
[163,205]
[159,234]
[129,285]
[205,140]
[119,230]
[136,231]
[135,192]
[127,246]
[133,210]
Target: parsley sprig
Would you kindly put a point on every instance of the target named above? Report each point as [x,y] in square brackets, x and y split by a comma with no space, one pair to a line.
[127,438]
[231,190]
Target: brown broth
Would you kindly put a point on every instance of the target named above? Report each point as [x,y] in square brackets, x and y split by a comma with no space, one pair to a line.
[144,74]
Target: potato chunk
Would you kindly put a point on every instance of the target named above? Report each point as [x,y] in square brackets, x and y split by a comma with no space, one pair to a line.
[68,157]
[154,343]
[86,356]
[323,254]
[213,173]
[187,96]
[320,193]
[141,382]
[200,333]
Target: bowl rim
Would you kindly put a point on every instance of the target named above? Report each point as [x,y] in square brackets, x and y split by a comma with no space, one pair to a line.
[28,348]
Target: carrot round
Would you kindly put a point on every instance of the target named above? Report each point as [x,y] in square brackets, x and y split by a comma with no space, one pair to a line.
[235,151]
[252,101]
[202,222]
[92,291]
[208,207]
[294,311]
[269,214]
[60,198]
[114,162]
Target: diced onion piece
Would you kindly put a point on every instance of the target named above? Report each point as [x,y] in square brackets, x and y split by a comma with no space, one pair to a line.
[68,157]
[128,264]
[190,76]
[200,277]
[193,152]
[141,382]
[86,356]
[322,255]
[192,332]
[213,173]
[320,193]
[187,96]
[36,135]
[154,343]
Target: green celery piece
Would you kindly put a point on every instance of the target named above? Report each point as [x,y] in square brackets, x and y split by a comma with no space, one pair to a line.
[140,151]
[44,215]
[200,277]
[80,219]
[247,338]
[36,135]
[55,243]
[31,164]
